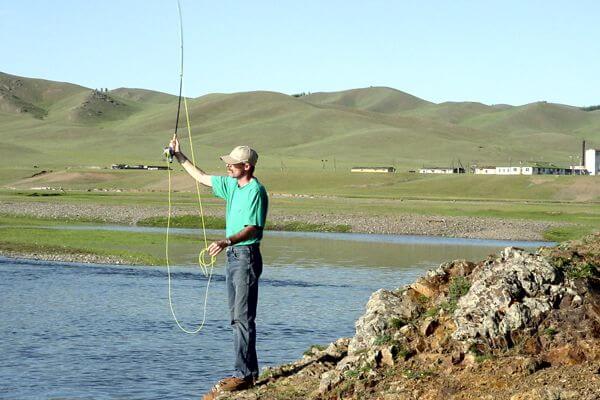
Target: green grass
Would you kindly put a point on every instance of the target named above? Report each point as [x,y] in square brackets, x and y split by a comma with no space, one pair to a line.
[185,221]
[382,340]
[210,222]
[307,146]
[585,215]
[396,323]
[299,226]
[582,270]
[550,332]
[66,250]
[316,133]
[563,233]
[34,235]
[458,287]
[312,348]
[432,312]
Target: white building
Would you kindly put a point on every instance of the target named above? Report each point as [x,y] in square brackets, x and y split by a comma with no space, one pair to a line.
[373,169]
[508,170]
[526,170]
[592,161]
[441,170]
[485,170]
[578,170]
[538,169]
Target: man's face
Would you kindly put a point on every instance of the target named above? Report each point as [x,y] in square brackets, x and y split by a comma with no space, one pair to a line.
[237,170]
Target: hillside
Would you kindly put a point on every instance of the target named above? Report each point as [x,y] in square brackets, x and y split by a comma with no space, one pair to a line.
[32,96]
[100,106]
[377,99]
[77,126]
[538,117]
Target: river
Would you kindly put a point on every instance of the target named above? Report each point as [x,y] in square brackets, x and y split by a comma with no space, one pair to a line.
[80,331]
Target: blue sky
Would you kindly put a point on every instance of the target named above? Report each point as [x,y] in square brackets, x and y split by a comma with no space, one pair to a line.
[513,52]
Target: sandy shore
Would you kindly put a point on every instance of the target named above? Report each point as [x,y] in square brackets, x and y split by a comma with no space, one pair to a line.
[465,227]
[71,257]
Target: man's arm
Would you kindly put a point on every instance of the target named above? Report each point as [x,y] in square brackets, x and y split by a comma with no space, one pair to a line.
[194,171]
[249,232]
[190,168]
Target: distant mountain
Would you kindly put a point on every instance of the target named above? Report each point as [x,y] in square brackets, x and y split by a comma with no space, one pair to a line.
[32,96]
[376,99]
[143,95]
[537,117]
[454,112]
[64,123]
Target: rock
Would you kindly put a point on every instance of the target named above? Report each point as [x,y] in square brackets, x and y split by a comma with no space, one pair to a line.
[387,356]
[346,363]
[328,380]
[428,326]
[527,365]
[457,357]
[425,288]
[546,393]
[460,268]
[512,293]
[382,307]
[566,355]
[338,349]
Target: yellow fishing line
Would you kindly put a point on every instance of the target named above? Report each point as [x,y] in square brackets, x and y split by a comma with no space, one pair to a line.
[205,266]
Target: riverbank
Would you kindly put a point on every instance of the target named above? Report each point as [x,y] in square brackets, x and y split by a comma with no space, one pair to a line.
[66,240]
[66,257]
[516,325]
[403,224]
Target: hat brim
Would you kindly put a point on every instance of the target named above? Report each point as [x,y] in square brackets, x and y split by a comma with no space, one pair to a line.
[230,160]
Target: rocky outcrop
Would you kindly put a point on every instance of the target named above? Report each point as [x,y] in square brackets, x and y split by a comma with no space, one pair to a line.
[99,105]
[508,297]
[517,325]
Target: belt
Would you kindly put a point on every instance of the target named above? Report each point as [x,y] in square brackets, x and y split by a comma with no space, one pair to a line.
[250,246]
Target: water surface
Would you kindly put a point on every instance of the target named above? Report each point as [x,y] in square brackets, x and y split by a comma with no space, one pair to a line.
[74,331]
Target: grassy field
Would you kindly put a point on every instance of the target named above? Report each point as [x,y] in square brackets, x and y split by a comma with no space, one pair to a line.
[584,214]
[325,183]
[369,126]
[69,136]
[39,235]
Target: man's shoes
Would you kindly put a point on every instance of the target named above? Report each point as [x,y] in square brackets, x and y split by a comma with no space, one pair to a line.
[231,384]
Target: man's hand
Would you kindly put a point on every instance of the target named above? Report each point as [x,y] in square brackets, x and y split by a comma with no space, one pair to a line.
[174,144]
[217,247]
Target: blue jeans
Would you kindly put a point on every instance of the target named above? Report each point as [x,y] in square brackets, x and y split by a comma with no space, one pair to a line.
[244,266]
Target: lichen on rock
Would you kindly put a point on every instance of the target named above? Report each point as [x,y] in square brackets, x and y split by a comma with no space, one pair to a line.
[511,293]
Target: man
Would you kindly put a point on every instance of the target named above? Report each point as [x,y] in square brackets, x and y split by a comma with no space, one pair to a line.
[246,212]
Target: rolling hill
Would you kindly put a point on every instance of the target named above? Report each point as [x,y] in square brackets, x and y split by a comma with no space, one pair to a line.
[59,124]
[378,99]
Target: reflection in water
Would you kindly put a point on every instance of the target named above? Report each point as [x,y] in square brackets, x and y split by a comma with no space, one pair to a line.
[311,252]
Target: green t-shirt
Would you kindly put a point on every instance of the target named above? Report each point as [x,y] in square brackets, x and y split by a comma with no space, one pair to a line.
[245,205]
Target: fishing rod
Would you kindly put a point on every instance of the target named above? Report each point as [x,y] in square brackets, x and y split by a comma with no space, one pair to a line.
[169,151]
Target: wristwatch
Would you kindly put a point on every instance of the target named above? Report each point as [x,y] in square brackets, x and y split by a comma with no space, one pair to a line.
[228,241]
